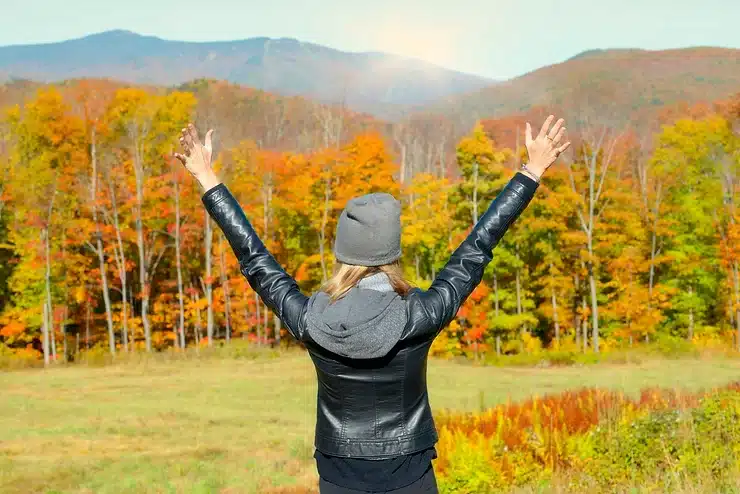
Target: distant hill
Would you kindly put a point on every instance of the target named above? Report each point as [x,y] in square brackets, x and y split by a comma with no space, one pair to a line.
[371,82]
[618,85]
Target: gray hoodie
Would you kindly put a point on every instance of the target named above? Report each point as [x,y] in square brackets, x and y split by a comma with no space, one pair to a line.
[366,323]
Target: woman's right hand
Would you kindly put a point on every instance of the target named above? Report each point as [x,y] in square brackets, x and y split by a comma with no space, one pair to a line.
[544,149]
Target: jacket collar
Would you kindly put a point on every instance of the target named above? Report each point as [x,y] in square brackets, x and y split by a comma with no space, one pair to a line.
[377,281]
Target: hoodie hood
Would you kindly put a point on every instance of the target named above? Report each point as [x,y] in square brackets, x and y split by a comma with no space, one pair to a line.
[366,323]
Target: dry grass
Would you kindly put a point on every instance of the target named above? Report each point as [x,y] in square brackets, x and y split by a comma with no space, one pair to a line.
[233,426]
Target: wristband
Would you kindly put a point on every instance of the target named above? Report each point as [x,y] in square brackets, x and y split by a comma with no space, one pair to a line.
[529,173]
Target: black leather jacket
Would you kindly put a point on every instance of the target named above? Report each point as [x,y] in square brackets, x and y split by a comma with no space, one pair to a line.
[374,408]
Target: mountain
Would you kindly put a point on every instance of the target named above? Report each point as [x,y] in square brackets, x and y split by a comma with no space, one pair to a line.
[620,85]
[371,82]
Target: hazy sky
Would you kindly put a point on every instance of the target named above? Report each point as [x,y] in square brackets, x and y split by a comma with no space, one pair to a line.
[495,38]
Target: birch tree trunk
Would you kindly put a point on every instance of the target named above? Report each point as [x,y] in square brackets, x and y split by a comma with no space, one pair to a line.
[45,330]
[208,285]
[588,215]
[99,245]
[180,337]
[140,242]
[120,257]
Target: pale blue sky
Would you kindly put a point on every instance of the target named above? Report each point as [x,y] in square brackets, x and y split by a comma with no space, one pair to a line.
[494,38]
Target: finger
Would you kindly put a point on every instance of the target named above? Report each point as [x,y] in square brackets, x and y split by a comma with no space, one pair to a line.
[527,134]
[562,148]
[188,142]
[209,141]
[185,146]
[545,126]
[554,131]
[193,134]
[180,157]
[558,136]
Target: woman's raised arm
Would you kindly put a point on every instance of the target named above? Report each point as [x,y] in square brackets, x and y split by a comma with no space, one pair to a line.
[277,289]
[464,270]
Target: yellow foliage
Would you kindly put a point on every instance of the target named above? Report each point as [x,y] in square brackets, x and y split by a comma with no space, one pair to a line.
[531,344]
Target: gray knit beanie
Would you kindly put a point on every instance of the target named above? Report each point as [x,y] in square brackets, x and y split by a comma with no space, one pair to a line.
[369,231]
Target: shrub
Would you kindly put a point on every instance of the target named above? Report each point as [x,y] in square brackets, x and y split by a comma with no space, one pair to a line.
[666,448]
[606,438]
[19,358]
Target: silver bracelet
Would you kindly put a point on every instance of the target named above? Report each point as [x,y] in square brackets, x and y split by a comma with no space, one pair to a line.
[529,173]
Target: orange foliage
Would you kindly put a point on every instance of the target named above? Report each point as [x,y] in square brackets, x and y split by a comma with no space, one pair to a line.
[540,426]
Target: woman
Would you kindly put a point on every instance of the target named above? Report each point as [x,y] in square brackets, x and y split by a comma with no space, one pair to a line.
[366,330]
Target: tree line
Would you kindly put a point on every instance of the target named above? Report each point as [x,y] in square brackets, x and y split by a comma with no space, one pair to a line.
[104,240]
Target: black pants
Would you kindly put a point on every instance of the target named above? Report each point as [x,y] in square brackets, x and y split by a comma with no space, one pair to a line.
[426,484]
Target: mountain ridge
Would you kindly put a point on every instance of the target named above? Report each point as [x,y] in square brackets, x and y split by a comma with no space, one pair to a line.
[362,80]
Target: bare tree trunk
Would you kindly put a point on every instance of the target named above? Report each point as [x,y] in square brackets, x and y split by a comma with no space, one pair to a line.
[208,288]
[45,330]
[99,245]
[47,284]
[143,268]
[120,256]
[594,308]
[179,338]
[53,337]
[589,217]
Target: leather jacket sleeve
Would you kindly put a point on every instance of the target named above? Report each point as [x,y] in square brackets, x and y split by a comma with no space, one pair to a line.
[464,270]
[275,287]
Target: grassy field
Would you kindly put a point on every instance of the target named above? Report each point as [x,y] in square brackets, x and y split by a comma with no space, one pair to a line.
[234,426]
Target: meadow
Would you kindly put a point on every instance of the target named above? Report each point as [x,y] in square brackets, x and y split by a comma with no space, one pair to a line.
[219,423]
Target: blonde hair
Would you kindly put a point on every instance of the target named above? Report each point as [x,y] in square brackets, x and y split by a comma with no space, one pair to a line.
[347,276]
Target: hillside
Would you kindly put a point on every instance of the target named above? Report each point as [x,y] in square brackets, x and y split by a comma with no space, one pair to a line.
[273,121]
[620,85]
[364,81]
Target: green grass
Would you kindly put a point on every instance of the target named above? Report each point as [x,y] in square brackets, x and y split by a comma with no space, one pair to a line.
[234,426]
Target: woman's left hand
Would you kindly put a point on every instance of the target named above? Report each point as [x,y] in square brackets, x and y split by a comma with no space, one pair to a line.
[544,149]
[197,156]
